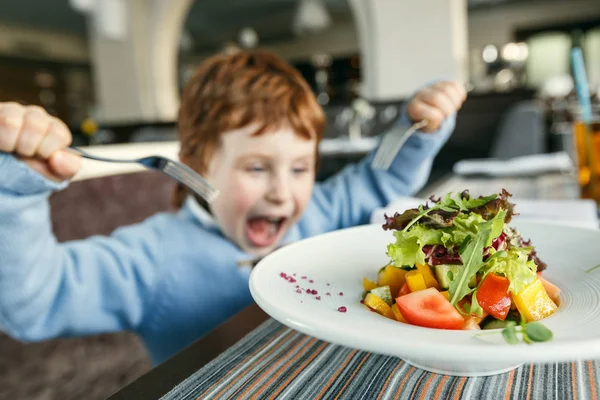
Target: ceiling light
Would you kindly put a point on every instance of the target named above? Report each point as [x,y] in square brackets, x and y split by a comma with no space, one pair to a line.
[490,53]
[311,16]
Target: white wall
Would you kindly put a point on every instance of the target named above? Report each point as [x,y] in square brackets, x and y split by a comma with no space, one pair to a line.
[406,44]
[548,57]
[592,54]
[136,74]
[15,40]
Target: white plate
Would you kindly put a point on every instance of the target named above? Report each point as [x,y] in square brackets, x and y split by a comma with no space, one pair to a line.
[336,262]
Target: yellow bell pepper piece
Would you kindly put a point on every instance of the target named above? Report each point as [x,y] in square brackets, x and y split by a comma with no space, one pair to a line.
[392,277]
[379,306]
[415,281]
[534,303]
[446,294]
[397,313]
[430,280]
[369,284]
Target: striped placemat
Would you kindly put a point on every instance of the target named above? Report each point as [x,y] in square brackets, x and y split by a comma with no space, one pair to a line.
[274,361]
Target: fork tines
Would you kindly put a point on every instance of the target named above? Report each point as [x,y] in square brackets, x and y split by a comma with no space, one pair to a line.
[391,144]
[191,179]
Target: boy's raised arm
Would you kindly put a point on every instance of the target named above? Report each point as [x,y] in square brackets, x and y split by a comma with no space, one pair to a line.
[49,289]
[348,198]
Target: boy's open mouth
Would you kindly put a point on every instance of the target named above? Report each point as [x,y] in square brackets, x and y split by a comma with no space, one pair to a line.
[263,231]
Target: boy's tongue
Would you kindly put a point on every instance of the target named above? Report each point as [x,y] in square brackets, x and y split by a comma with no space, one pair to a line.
[261,231]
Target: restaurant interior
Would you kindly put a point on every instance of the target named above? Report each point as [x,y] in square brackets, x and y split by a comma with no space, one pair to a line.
[113,71]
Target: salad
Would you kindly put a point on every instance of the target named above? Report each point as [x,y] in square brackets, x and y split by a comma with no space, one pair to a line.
[456,263]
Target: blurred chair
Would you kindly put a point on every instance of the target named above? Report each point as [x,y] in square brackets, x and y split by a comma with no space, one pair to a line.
[522,131]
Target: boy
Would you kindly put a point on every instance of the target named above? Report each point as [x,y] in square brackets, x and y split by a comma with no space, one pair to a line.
[251,125]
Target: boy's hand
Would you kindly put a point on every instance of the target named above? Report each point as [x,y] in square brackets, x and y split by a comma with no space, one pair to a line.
[38,139]
[435,103]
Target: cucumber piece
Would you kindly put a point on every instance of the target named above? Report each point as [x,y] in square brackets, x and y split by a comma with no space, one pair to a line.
[445,274]
[493,323]
[384,293]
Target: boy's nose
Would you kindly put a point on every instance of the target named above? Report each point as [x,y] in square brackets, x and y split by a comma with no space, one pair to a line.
[279,190]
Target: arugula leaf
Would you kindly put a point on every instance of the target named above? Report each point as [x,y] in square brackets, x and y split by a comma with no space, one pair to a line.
[481,201]
[464,244]
[490,209]
[447,209]
[472,261]
[464,202]
[475,307]
[472,258]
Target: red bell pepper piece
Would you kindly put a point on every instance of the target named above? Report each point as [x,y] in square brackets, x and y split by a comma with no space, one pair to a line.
[404,290]
[493,296]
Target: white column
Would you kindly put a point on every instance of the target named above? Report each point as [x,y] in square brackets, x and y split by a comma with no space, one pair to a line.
[405,44]
[134,49]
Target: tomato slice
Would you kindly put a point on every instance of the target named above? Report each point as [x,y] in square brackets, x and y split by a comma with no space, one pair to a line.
[429,308]
[493,296]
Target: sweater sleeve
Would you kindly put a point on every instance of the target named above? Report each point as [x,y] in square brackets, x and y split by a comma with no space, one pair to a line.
[348,198]
[50,289]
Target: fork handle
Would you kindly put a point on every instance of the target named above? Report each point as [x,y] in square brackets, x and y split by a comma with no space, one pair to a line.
[84,154]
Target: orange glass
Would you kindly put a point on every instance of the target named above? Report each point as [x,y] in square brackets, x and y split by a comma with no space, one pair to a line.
[587,147]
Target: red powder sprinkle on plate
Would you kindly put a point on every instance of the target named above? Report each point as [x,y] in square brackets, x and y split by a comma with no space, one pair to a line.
[342,309]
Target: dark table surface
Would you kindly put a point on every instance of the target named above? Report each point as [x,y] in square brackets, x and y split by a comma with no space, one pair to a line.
[167,375]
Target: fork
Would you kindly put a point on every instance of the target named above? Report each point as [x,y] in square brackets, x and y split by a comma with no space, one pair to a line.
[176,170]
[391,144]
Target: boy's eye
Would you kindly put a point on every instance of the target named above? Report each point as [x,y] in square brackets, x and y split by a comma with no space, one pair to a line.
[255,168]
[300,170]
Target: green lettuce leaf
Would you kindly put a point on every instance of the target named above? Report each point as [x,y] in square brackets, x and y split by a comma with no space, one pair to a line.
[408,248]
[467,225]
[515,266]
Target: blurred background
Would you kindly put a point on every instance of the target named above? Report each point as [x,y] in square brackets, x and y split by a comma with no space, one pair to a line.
[113,71]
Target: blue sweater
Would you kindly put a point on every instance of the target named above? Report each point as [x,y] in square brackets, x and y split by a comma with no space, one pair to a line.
[171,278]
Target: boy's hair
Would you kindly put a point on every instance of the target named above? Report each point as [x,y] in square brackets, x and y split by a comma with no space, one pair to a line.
[231,91]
